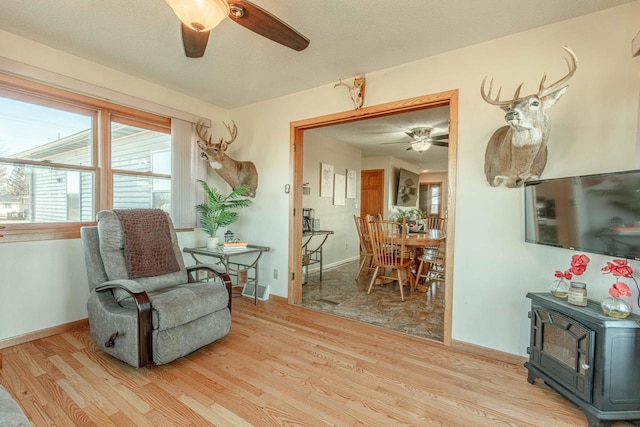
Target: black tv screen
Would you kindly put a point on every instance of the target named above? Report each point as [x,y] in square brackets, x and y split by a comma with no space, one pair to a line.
[591,213]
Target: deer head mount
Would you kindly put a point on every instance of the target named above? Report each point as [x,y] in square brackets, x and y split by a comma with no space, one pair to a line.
[518,152]
[235,173]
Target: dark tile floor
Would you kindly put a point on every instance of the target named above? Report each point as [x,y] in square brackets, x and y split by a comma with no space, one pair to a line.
[421,314]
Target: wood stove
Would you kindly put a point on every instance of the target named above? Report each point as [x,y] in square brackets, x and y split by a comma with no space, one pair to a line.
[591,359]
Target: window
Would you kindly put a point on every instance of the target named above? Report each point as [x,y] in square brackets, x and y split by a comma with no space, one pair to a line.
[431,198]
[64,157]
[141,165]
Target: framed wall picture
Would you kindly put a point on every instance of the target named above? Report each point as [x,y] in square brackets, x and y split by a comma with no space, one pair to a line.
[351,184]
[326,180]
[407,188]
[339,189]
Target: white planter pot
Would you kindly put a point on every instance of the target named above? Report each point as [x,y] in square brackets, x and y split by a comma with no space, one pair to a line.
[212,242]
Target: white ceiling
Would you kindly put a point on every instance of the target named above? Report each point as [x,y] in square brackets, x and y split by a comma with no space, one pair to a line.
[348,37]
[385,136]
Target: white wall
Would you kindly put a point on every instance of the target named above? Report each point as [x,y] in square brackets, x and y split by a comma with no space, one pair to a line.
[343,244]
[594,129]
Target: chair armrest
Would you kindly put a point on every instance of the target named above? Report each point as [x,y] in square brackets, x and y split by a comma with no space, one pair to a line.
[143,305]
[130,286]
[220,274]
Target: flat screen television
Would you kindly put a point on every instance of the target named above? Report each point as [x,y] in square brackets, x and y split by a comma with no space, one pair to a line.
[590,213]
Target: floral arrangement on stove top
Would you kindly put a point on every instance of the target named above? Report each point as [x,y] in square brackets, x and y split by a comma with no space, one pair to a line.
[560,287]
[615,305]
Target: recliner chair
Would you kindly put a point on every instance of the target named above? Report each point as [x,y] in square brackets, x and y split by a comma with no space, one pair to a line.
[140,317]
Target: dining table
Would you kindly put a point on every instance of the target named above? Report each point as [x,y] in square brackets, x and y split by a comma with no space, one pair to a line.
[417,242]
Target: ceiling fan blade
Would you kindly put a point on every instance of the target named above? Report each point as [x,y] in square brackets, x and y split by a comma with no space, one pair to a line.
[262,22]
[440,143]
[194,42]
[411,134]
[397,142]
[440,137]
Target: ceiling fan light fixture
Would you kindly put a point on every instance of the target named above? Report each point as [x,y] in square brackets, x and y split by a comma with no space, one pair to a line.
[420,146]
[423,132]
[200,15]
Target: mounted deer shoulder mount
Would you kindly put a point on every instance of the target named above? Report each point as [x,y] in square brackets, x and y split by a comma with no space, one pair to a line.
[518,152]
[235,173]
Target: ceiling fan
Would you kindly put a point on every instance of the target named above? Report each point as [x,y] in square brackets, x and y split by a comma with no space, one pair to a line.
[422,139]
[199,17]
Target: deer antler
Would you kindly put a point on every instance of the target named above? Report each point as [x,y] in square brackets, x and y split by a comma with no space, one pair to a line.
[496,101]
[204,140]
[572,65]
[341,83]
[233,131]
[542,91]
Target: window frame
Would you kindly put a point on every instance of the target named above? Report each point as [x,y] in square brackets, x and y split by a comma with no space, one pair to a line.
[429,191]
[103,112]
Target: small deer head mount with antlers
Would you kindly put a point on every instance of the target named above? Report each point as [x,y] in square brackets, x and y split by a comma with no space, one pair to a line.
[236,174]
[518,152]
[356,91]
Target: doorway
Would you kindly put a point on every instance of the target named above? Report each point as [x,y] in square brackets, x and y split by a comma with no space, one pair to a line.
[449,98]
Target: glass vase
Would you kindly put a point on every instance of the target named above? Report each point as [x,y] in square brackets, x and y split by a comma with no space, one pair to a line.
[559,288]
[615,307]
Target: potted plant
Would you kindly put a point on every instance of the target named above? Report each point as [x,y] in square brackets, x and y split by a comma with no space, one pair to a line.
[402,214]
[220,210]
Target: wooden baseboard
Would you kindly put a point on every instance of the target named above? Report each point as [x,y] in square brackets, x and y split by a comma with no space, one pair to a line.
[43,333]
[279,299]
[488,352]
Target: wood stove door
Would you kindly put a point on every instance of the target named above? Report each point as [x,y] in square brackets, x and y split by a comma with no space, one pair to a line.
[564,350]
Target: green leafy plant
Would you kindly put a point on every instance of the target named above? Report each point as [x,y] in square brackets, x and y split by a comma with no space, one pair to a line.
[419,214]
[220,209]
[400,214]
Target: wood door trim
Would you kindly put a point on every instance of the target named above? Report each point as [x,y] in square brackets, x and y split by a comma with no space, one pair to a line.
[296,147]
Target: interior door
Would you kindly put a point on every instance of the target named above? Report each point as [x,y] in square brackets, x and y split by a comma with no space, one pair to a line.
[372,192]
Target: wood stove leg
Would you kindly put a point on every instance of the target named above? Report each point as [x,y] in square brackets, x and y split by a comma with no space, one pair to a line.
[531,377]
[596,422]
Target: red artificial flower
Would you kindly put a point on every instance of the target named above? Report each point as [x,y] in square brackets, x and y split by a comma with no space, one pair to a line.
[619,289]
[580,260]
[563,274]
[579,264]
[578,267]
[619,268]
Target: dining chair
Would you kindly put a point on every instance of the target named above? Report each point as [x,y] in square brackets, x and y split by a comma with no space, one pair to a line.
[388,240]
[366,251]
[434,223]
[432,264]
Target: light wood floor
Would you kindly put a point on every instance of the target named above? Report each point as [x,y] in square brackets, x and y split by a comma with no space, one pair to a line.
[280,365]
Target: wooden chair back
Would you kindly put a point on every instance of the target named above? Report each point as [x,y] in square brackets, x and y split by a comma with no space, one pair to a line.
[388,240]
[434,223]
[363,233]
[376,217]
